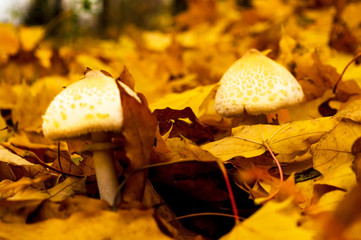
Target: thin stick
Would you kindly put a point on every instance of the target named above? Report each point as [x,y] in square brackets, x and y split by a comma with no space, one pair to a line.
[278,166]
[39,161]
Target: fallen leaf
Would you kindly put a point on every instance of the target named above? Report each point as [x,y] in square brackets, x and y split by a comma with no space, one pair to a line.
[275,220]
[199,11]
[123,224]
[291,138]
[333,157]
[30,36]
[10,188]
[17,211]
[314,76]
[171,120]
[9,41]
[183,149]
[193,98]
[139,131]
[65,208]
[69,187]
[14,167]
[351,111]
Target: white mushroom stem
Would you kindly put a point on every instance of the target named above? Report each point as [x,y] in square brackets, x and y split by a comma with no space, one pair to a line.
[104,168]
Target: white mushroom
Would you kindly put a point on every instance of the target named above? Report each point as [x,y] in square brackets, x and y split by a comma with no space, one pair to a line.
[255,84]
[90,107]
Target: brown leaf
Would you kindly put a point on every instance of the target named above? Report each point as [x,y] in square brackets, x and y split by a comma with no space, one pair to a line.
[139,131]
[199,11]
[9,189]
[314,76]
[126,78]
[347,89]
[14,167]
[170,119]
[341,38]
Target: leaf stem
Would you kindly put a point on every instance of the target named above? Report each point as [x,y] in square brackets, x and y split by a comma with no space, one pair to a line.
[278,166]
[344,70]
[230,191]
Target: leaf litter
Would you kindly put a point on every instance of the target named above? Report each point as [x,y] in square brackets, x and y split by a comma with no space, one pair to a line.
[168,156]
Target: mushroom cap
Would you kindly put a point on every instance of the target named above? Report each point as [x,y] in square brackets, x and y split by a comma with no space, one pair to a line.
[89,105]
[256,84]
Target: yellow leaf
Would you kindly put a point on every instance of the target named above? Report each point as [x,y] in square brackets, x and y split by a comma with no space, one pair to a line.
[352,111]
[8,96]
[124,224]
[299,135]
[333,157]
[30,37]
[9,43]
[328,201]
[275,220]
[156,40]
[32,101]
[3,131]
[84,61]
[340,60]
[70,186]
[292,138]
[44,55]
[229,147]
[287,45]
[193,98]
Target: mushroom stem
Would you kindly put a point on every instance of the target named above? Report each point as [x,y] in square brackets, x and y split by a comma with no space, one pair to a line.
[104,168]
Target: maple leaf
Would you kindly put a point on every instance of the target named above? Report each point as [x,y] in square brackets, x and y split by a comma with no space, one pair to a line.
[293,138]
[333,157]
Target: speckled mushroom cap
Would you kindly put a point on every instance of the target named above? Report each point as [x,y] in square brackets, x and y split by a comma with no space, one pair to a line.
[91,104]
[256,84]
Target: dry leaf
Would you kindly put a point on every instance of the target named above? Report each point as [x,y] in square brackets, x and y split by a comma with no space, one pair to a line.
[69,187]
[276,220]
[14,167]
[30,36]
[139,131]
[333,157]
[129,224]
[292,138]
[170,122]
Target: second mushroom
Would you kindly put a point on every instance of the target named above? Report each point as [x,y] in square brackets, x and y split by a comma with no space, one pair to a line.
[255,85]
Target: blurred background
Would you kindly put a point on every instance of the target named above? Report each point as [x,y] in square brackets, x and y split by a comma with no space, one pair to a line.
[104,17]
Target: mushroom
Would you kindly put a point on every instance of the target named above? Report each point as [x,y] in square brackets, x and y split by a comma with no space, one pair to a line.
[90,109]
[256,85]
